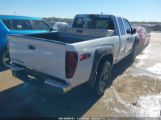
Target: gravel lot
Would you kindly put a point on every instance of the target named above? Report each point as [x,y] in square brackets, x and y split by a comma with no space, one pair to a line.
[135,92]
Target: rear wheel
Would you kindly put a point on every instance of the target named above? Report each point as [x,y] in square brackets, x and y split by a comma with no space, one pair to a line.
[103,78]
[6,60]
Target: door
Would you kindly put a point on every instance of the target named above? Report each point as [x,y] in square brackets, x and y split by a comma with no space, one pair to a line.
[123,38]
[128,36]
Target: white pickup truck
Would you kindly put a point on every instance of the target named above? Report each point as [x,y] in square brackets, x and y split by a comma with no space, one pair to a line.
[84,53]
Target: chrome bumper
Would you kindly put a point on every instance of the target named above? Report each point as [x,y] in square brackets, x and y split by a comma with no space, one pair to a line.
[57,87]
[54,84]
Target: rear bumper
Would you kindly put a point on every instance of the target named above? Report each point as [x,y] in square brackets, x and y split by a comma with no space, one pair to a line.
[55,86]
[50,83]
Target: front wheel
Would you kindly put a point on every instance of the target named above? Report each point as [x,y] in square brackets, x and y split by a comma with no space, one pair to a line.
[133,54]
[6,60]
[103,78]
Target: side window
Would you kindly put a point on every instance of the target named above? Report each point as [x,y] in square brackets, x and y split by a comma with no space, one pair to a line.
[78,23]
[8,23]
[21,25]
[17,24]
[39,25]
[121,26]
[127,27]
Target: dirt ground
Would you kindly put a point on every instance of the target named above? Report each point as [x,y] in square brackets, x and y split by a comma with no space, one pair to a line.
[135,92]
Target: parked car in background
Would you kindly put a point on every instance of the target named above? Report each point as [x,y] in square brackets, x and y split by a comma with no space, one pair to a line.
[60,25]
[143,36]
[17,25]
[84,53]
[50,23]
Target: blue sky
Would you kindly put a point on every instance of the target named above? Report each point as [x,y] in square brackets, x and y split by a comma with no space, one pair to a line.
[134,10]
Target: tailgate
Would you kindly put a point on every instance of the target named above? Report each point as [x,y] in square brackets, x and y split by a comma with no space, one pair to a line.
[42,55]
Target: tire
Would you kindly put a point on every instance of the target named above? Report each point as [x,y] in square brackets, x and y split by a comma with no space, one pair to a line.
[5,59]
[133,54]
[103,78]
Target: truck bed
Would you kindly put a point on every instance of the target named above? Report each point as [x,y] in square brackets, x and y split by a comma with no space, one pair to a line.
[61,37]
[46,52]
[73,36]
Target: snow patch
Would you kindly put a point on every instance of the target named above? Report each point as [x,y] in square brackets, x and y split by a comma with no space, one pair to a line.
[156,69]
[149,106]
[119,98]
[120,111]
[144,55]
[141,72]
[157,77]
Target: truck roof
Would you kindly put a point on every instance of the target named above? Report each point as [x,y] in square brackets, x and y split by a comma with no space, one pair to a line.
[19,17]
[103,15]
[94,14]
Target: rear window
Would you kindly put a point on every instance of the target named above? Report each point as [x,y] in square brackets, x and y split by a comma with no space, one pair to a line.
[93,22]
[26,25]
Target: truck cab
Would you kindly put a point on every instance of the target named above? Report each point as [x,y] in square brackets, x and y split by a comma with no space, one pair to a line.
[120,26]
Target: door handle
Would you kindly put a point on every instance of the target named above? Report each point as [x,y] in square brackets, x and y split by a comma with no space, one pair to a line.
[31,47]
[128,38]
[79,31]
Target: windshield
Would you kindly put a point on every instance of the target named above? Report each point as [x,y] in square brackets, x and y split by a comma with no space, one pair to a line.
[94,22]
[26,25]
[61,25]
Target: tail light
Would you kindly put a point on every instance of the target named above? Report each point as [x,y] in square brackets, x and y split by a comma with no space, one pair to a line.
[71,63]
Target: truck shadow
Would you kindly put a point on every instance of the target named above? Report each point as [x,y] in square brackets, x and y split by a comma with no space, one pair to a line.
[32,100]
[2,68]
[120,68]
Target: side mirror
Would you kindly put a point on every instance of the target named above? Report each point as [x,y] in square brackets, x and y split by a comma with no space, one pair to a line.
[51,29]
[128,31]
[133,31]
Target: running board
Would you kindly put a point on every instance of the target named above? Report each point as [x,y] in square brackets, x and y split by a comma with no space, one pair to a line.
[15,67]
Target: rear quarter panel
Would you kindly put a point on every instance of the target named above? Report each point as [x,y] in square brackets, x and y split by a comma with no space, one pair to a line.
[83,70]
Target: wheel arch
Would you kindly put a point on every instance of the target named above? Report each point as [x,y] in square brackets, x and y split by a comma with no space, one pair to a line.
[101,55]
